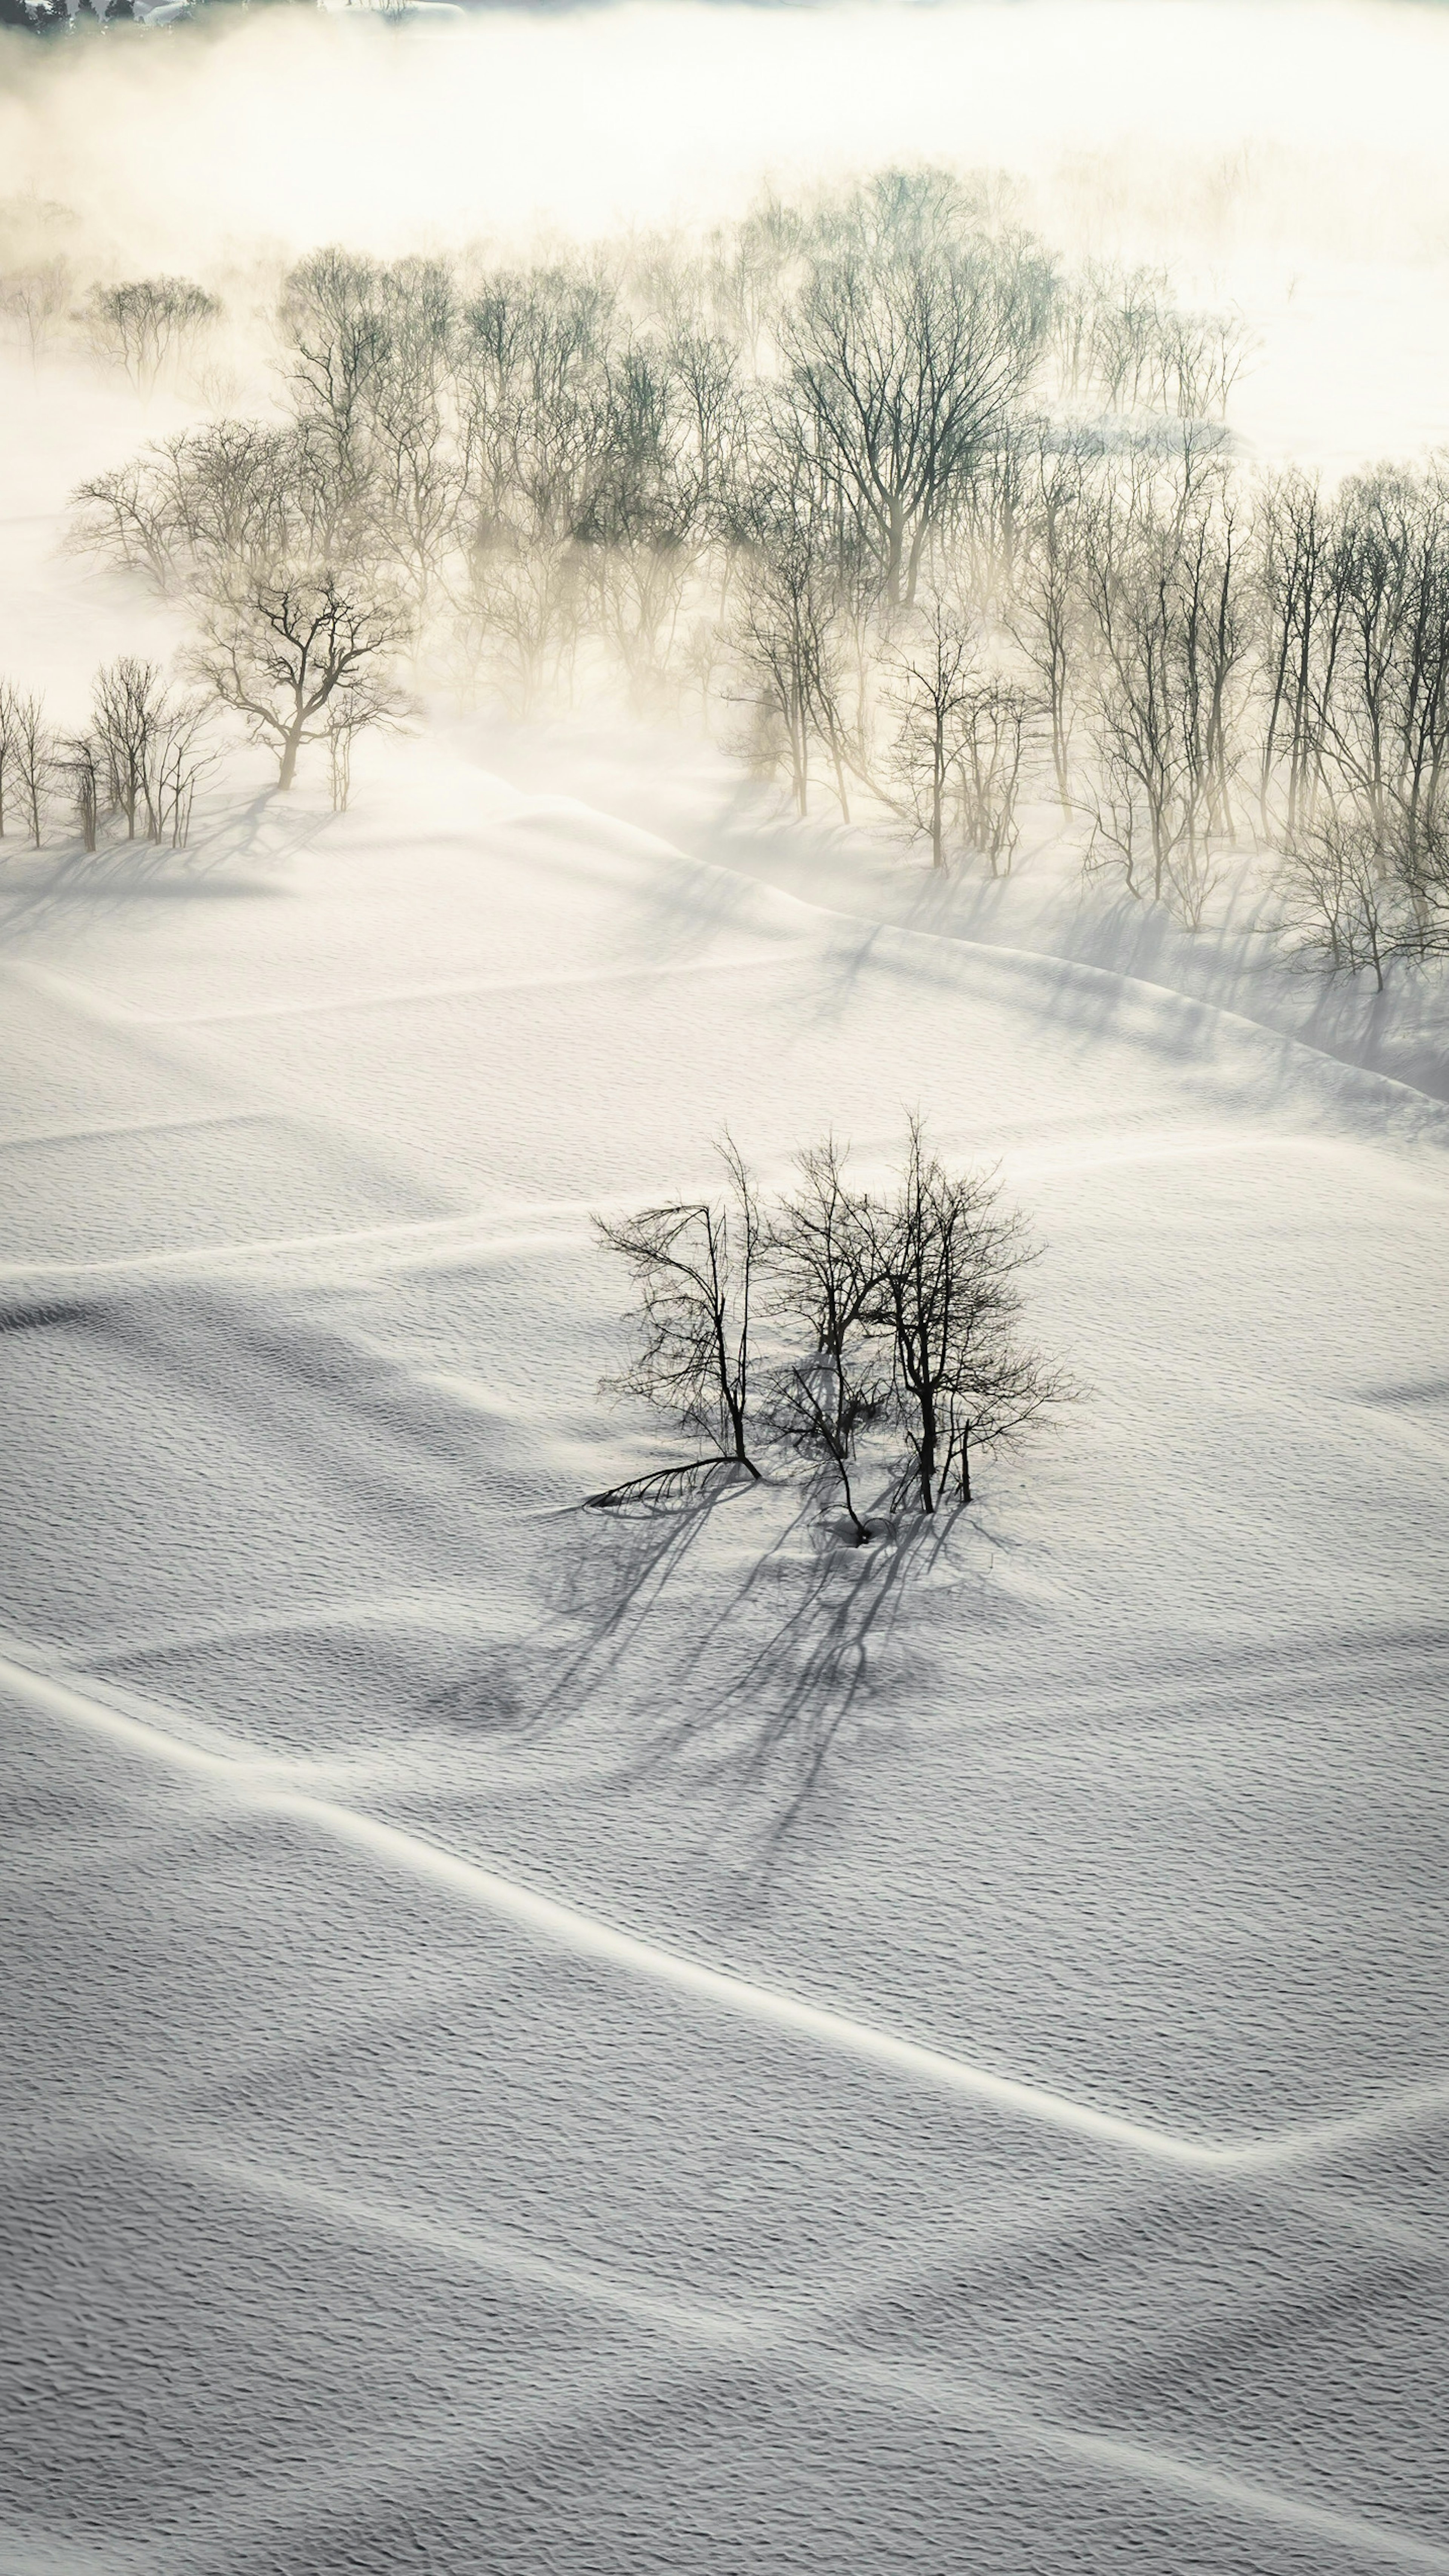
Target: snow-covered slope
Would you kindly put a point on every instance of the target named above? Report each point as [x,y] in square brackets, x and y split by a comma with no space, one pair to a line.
[543,2043]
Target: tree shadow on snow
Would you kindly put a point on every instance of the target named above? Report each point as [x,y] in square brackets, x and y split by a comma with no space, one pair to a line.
[812,1666]
[749,1682]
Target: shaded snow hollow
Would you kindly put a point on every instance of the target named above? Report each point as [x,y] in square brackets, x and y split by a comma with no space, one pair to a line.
[549,2044]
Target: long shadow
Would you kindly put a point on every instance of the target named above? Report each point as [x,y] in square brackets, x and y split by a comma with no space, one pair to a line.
[763,1724]
[121,873]
[609,1581]
[817,1666]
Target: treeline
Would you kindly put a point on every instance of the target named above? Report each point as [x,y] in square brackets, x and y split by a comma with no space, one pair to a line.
[913,514]
[54,18]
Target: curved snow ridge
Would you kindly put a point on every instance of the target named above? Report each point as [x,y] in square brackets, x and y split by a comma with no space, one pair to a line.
[801,2340]
[267,1787]
[1044,963]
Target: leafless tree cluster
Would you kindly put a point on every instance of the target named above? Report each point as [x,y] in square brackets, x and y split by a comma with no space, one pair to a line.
[136,762]
[753,469]
[152,330]
[1121,342]
[874,1337]
[148,326]
[915,514]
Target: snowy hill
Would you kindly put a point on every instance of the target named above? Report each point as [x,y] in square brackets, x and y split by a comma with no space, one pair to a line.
[673,2043]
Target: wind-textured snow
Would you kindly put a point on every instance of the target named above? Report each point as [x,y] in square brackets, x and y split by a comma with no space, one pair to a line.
[541,2043]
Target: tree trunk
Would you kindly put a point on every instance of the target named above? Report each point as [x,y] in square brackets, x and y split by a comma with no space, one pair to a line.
[291,745]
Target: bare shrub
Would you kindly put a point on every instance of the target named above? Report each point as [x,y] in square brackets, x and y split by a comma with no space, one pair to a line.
[694,1266]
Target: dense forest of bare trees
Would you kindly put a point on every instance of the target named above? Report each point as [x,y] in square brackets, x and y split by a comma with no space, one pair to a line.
[921,518]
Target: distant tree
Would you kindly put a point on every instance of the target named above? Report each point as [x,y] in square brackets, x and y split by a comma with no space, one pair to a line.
[930,691]
[995,722]
[911,336]
[282,654]
[1344,900]
[146,324]
[14,13]
[694,1265]
[128,712]
[38,298]
[80,763]
[32,750]
[9,733]
[1046,616]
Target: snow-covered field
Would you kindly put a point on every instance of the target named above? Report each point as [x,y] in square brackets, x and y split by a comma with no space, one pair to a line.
[668,2047]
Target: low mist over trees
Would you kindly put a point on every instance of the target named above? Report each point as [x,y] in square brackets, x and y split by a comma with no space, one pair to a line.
[137,761]
[918,516]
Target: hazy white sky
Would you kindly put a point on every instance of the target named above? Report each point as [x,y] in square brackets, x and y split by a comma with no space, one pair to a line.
[304,126]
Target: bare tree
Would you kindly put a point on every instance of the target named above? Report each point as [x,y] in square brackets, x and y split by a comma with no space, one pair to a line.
[945,1257]
[824,1400]
[694,1265]
[910,338]
[183,753]
[128,710]
[1343,901]
[281,652]
[995,717]
[38,298]
[9,732]
[1301,573]
[786,637]
[1165,583]
[32,751]
[930,692]
[81,763]
[1046,616]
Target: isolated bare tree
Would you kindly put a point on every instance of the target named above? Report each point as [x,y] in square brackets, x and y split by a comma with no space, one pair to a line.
[280,653]
[694,1265]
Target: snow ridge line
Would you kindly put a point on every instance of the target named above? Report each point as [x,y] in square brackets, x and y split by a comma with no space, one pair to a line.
[720,2334]
[263,1787]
